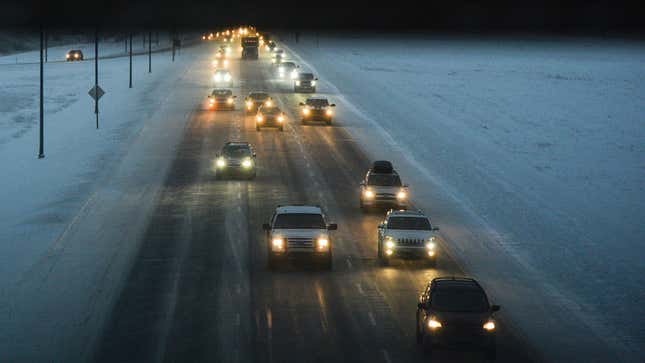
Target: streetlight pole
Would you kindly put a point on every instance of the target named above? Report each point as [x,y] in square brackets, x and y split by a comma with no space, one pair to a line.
[41,147]
[130,86]
[149,52]
[96,73]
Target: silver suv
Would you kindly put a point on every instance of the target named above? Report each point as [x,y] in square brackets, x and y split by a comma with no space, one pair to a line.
[297,232]
[382,187]
[406,234]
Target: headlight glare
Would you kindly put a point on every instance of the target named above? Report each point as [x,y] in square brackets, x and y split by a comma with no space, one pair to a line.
[247,163]
[434,324]
[489,326]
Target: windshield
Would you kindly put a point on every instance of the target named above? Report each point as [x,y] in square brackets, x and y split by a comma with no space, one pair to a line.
[316,102]
[270,110]
[416,223]
[222,92]
[237,151]
[288,65]
[259,96]
[306,76]
[299,221]
[459,300]
[386,180]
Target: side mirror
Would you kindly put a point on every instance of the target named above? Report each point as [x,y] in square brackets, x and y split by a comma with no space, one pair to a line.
[332,105]
[234,96]
[209,96]
[301,104]
[266,227]
[495,308]
[332,227]
[435,228]
[315,79]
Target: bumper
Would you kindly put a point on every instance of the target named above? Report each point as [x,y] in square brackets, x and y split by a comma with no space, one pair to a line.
[300,256]
[221,106]
[236,170]
[316,116]
[459,338]
[413,252]
[269,123]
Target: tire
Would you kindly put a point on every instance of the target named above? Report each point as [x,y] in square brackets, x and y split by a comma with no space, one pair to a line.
[427,345]
[281,128]
[303,121]
[328,122]
[491,353]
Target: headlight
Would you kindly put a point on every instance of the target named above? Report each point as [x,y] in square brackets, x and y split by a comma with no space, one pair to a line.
[389,243]
[277,244]
[76,55]
[227,77]
[267,48]
[313,83]
[434,324]
[280,118]
[401,195]
[225,62]
[258,118]
[247,163]
[217,77]
[297,83]
[294,74]
[230,100]
[249,104]
[305,111]
[322,243]
[268,103]
[218,55]
[368,194]
[329,112]
[430,245]
[281,69]
[221,162]
[66,55]
[489,326]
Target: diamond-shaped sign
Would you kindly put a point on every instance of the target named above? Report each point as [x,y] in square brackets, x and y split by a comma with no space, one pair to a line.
[96,92]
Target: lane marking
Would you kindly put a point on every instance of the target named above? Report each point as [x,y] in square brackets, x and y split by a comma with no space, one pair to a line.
[269,318]
[371,316]
[349,263]
[386,356]
[360,288]
[237,319]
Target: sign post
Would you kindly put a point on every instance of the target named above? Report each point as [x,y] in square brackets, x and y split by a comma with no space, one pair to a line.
[41,147]
[96,74]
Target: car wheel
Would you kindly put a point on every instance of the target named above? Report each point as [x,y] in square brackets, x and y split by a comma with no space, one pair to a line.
[257,128]
[281,128]
[328,122]
[491,353]
[427,344]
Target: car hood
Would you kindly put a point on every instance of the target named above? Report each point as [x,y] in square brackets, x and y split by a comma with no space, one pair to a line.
[457,318]
[412,234]
[299,233]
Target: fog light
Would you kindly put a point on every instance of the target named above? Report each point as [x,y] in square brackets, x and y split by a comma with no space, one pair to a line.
[368,194]
[221,163]
[277,244]
[247,163]
[489,326]
[434,324]
[323,243]
[431,253]
[388,252]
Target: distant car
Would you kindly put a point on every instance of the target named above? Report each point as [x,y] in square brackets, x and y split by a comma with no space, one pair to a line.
[382,187]
[223,77]
[287,70]
[278,57]
[221,98]
[317,108]
[305,82]
[237,159]
[297,232]
[220,63]
[456,312]
[74,55]
[406,234]
[270,116]
[254,100]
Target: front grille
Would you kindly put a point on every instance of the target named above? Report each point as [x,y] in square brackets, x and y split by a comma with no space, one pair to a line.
[233,162]
[410,241]
[305,83]
[295,243]
[385,196]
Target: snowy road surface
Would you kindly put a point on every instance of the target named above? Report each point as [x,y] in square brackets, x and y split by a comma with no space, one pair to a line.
[121,246]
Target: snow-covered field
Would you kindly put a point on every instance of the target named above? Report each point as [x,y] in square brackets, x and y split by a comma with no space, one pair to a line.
[79,211]
[530,153]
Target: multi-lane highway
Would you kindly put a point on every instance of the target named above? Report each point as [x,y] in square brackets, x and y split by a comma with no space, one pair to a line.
[200,288]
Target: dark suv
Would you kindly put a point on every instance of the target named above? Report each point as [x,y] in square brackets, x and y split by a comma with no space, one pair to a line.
[453,312]
[254,100]
[304,82]
[317,108]
[235,159]
[74,55]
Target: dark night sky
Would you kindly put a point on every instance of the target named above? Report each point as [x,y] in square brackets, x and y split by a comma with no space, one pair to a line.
[401,14]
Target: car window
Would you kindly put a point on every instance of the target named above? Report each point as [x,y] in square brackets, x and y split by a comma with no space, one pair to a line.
[222,93]
[270,110]
[306,76]
[388,180]
[259,96]
[237,151]
[414,223]
[299,221]
[466,300]
[316,102]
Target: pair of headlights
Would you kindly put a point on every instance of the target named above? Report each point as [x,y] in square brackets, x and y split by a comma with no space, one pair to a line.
[435,324]
[370,194]
[322,244]
[246,163]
